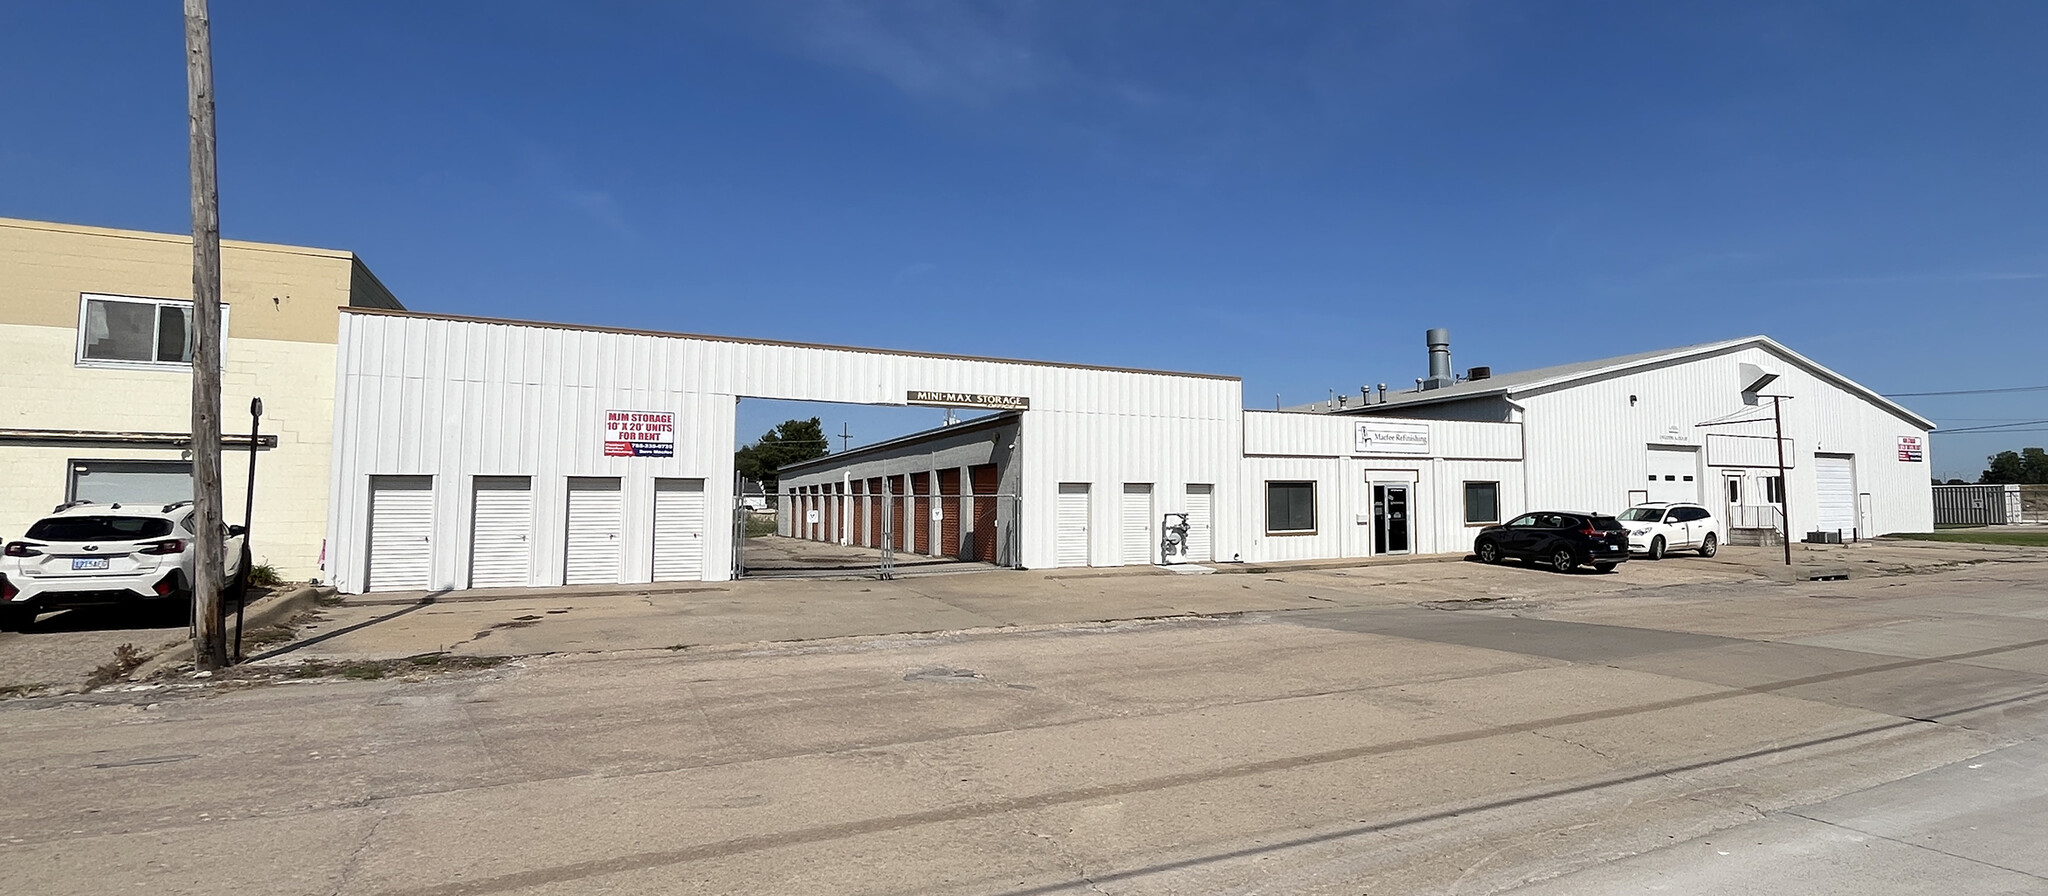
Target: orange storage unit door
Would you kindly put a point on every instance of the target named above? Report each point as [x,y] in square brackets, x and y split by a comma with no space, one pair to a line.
[949,513]
[896,512]
[857,514]
[920,524]
[984,480]
[875,512]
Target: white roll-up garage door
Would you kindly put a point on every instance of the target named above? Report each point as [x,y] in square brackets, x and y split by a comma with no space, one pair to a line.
[596,514]
[1137,523]
[500,539]
[1201,516]
[401,533]
[1073,524]
[1674,474]
[678,530]
[1835,488]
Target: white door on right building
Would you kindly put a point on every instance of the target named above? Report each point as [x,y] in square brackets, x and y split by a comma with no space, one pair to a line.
[1674,474]
[1835,489]
[1137,524]
[1201,522]
[1072,546]
[678,530]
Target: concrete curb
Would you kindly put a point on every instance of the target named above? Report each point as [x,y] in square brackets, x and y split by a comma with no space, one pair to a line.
[271,610]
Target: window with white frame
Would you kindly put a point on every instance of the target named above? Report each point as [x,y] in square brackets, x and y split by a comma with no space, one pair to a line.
[131,331]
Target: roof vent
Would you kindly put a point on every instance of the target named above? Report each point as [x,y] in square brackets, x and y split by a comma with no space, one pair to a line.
[1439,340]
[1479,373]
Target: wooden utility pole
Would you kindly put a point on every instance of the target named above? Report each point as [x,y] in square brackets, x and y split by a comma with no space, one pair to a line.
[209,642]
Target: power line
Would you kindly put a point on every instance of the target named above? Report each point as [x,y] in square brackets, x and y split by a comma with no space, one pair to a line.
[1996,427]
[1967,392]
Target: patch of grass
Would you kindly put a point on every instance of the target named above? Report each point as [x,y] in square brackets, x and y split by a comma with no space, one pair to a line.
[372,670]
[126,659]
[266,636]
[2020,539]
[758,526]
[264,575]
[363,671]
[10,691]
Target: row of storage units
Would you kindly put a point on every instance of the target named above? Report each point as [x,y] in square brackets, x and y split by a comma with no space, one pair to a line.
[918,513]
[502,549]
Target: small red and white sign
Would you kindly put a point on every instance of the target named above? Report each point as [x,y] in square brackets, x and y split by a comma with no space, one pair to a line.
[1912,449]
[639,434]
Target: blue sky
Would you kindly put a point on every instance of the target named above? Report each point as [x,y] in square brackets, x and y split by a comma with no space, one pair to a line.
[1290,192]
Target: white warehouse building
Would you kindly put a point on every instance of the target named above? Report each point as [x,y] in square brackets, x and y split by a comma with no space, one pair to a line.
[473,452]
[1701,424]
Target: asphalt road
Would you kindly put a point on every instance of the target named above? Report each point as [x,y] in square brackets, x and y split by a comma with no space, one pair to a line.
[1872,736]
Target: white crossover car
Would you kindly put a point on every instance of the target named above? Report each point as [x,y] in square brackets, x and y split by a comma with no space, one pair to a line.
[1656,529]
[89,554]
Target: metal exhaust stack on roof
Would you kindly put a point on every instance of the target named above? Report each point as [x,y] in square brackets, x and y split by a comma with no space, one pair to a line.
[1439,340]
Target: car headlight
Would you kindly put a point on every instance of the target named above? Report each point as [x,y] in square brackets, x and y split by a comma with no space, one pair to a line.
[1643,531]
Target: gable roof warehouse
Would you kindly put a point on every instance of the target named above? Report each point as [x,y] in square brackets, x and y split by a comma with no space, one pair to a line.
[1542,380]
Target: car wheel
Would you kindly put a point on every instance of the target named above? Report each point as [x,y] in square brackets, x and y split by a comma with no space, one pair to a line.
[15,619]
[1656,551]
[1603,567]
[1488,552]
[1710,545]
[1562,560]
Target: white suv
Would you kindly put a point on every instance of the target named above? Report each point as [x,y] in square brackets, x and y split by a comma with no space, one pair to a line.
[1654,529]
[89,554]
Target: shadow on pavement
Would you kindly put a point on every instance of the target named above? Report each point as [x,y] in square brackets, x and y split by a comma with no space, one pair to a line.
[308,642]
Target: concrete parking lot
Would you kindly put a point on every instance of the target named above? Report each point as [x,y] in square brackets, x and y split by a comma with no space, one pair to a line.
[1442,728]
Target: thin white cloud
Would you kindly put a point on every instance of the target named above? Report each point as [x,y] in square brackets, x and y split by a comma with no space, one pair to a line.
[911,272]
[956,51]
[600,206]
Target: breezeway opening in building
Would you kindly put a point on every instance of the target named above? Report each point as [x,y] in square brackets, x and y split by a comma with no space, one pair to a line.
[898,490]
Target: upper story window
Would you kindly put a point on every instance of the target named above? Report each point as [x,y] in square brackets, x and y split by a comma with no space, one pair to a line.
[124,331]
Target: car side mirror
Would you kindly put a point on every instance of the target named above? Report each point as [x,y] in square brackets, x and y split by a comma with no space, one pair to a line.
[237,530]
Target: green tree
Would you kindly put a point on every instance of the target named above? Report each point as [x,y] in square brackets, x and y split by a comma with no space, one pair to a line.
[2027,466]
[791,441]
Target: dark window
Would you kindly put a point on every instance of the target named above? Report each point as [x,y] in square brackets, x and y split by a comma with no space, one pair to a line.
[99,528]
[1734,491]
[1774,489]
[138,331]
[1524,522]
[1290,507]
[1482,502]
[1605,523]
[1694,513]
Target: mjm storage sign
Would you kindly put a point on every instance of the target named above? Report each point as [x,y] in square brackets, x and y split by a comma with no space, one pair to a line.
[639,433]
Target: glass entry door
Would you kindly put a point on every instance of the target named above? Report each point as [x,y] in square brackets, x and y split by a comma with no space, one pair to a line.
[1390,519]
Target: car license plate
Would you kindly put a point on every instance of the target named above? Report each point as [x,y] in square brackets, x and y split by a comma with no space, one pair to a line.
[78,563]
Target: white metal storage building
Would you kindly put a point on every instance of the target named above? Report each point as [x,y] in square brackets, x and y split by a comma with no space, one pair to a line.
[472,451]
[1675,425]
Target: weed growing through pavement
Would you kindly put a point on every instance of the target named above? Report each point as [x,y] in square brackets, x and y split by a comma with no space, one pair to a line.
[126,659]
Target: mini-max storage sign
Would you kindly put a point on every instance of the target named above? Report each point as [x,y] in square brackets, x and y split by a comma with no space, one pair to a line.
[639,434]
[969,400]
[1393,438]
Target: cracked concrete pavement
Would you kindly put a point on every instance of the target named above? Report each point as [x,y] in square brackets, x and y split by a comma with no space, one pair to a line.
[1308,731]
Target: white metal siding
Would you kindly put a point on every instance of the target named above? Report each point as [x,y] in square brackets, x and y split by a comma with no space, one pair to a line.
[1073,524]
[1201,522]
[678,530]
[460,398]
[1137,524]
[501,531]
[401,533]
[1835,493]
[596,510]
[1584,441]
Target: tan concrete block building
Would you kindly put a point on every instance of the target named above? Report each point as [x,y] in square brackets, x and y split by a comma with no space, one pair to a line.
[95,375]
